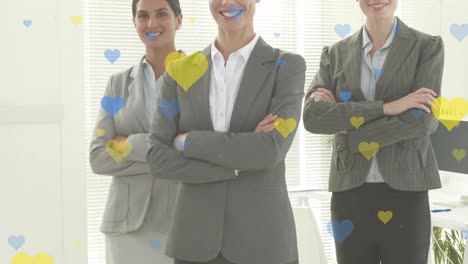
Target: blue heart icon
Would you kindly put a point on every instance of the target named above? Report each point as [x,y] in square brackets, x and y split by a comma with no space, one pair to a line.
[345,96]
[150,36]
[112,55]
[342,30]
[340,230]
[417,113]
[277,35]
[377,72]
[16,241]
[169,108]
[459,31]
[156,243]
[465,234]
[281,62]
[27,23]
[238,11]
[112,105]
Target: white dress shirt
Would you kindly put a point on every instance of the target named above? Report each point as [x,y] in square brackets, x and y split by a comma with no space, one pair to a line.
[371,69]
[151,87]
[225,82]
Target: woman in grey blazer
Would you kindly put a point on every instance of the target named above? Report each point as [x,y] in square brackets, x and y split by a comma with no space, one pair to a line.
[139,207]
[373,91]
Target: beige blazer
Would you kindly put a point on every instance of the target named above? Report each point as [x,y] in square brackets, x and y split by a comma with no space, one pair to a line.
[406,158]
[131,187]
[247,218]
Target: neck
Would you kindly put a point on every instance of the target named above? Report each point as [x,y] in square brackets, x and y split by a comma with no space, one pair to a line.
[156,58]
[229,42]
[379,30]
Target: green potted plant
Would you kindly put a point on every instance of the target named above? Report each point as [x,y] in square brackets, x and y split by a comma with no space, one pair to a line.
[449,246]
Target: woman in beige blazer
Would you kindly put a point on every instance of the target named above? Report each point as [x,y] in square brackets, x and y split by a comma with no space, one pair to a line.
[374,92]
[139,208]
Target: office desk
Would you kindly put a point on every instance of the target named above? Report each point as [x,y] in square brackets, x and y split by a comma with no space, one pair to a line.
[457,219]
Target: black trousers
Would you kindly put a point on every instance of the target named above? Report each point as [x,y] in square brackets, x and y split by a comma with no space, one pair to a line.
[374,223]
[218,260]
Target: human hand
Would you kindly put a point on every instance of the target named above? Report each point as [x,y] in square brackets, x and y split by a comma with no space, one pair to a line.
[323,95]
[267,125]
[179,142]
[118,143]
[422,99]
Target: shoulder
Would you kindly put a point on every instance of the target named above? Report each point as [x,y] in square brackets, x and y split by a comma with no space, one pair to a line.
[428,41]
[119,82]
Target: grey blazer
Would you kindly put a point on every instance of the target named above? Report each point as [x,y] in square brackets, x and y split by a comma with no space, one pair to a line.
[406,158]
[131,187]
[247,218]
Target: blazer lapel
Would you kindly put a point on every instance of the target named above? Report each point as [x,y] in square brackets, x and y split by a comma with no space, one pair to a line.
[136,89]
[352,67]
[259,65]
[199,95]
[400,48]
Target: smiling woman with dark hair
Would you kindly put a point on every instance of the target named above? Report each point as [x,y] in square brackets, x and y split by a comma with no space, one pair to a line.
[374,92]
[139,207]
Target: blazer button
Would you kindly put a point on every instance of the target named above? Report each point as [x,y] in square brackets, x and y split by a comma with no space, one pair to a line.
[414,144]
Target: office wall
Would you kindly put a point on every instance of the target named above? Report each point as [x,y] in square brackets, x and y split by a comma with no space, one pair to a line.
[42,190]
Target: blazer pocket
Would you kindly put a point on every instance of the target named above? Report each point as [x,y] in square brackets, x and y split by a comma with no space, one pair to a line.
[412,154]
[117,203]
[343,158]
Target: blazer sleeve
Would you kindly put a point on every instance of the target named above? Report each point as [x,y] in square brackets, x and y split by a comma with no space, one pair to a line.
[100,160]
[167,163]
[257,151]
[391,129]
[328,118]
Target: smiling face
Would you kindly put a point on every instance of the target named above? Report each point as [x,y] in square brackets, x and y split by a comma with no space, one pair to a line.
[378,9]
[156,23]
[233,15]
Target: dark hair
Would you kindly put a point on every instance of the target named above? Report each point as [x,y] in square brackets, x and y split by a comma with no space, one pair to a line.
[174,4]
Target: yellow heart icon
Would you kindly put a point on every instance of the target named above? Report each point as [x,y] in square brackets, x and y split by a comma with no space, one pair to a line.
[118,150]
[192,19]
[101,131]
[369,150]
[297,91]
[187,70]
[173,56]
[385,216]
[76,20]
[357,121]
[450,113]
[24,258]
[285,127]
[76,243]
[459,154]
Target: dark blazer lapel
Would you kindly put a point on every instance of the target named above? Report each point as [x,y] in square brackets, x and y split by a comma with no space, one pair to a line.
[352,66]
[400,48]
[260,64]
[137,92]
[199,95]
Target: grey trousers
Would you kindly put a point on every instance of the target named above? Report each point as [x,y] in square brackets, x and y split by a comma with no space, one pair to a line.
[218,260]
[388,226]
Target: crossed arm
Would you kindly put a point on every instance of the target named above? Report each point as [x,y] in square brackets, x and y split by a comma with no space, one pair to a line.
[200,163]
[386,123]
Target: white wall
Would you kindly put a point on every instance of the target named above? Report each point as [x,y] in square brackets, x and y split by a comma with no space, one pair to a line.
[42,194]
